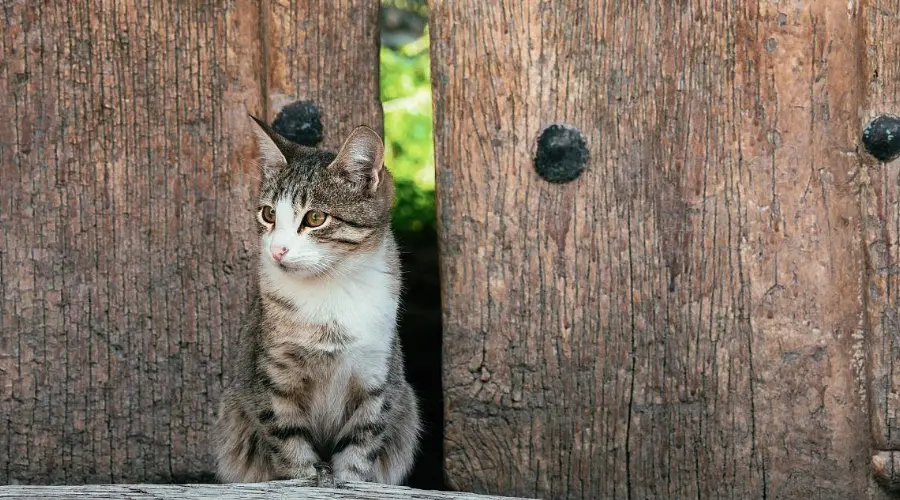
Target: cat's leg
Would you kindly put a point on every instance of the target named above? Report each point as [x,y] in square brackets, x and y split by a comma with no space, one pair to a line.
[291,440]
[358,443]
[396,457]
[242,453]
[380,439]
[295,457]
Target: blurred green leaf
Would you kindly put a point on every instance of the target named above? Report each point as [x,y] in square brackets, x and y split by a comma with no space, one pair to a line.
[409,145]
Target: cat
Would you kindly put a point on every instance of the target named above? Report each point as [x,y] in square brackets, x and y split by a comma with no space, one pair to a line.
[320,383]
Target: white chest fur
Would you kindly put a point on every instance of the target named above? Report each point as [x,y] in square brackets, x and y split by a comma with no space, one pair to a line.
[362,301]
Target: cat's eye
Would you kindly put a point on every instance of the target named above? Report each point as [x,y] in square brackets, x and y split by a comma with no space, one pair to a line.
[268,214]
[314,218]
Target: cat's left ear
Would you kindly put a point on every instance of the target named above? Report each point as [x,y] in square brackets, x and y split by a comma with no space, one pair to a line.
[360,161]
[274,149]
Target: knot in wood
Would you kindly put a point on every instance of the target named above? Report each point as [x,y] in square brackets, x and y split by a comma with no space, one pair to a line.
[562,153]
[300,122]
[881,137]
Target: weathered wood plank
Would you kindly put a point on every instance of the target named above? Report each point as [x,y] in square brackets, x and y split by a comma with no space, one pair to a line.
[880,198]
[326,53]
[125,259]
[247,491]
[126,162]
[683,320]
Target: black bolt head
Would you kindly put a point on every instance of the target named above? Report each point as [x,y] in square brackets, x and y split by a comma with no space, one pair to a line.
[881,137]
[300,122]
[562,153]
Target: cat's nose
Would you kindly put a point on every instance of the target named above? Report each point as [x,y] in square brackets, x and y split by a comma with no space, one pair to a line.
[278,253]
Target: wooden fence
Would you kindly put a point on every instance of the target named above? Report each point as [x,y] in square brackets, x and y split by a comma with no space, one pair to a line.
[128,170]
[669,268]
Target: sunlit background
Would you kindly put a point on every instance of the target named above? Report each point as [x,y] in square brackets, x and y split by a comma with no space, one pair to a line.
[406,97]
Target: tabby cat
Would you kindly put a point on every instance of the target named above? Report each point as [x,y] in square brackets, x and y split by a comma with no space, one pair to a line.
[320,383]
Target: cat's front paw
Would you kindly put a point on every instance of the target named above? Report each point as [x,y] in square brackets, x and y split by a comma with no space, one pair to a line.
[344,475]
[324,475]
[302,472]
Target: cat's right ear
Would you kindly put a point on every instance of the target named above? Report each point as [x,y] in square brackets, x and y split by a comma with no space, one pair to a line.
[273,148]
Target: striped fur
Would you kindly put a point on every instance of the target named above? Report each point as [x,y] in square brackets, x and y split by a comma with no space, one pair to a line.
[320,380]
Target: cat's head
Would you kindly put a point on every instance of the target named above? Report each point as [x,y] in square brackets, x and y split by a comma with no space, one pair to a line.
[318,212]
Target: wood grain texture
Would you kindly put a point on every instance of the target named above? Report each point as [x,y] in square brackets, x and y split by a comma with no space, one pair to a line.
[684,319]
[272,489]
[880,200]
[126,160]
[325,51]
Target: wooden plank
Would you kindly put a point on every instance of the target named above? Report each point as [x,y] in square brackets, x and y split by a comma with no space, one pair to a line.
[127,232]
[246,491]
[880,198]
[681,321]
[127,162]
[326,53]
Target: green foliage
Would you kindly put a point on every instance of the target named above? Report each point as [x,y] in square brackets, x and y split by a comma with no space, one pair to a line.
[417,6]
[409,146]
